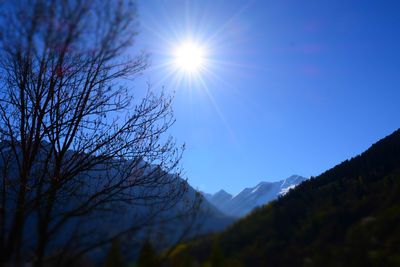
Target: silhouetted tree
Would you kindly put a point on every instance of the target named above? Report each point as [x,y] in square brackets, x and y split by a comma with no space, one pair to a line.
[75,144]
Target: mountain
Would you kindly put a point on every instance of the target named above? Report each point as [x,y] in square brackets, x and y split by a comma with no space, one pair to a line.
[219,199]
[250,198]
[347,216]
[163,205]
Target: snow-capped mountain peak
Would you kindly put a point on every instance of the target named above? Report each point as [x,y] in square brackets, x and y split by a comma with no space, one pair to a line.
[250,198]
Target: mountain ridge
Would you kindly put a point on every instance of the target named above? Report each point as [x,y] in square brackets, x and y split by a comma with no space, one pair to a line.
[347,216]
[252,197]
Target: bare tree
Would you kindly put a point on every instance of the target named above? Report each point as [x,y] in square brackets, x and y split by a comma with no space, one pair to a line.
[75,144]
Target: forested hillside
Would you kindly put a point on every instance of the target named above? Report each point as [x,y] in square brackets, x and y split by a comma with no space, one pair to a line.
[347,216]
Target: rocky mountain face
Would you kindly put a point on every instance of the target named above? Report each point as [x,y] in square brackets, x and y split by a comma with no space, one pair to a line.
[250,198]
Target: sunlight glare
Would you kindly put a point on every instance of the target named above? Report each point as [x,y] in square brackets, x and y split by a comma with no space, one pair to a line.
[189,57]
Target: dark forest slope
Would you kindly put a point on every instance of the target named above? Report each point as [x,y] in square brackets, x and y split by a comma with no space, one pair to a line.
[347,216]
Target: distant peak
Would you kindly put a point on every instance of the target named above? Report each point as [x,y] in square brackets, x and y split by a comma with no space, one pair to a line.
[222,191]
[291,182]
[295,176]
[290,179]
[262,183]
[222,194]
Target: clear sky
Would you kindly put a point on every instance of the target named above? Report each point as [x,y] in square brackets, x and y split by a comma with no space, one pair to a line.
[289,86]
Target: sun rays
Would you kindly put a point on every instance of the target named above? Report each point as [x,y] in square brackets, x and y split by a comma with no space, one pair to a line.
[193,57]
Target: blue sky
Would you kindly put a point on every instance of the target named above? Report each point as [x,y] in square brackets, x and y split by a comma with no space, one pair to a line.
[290,87]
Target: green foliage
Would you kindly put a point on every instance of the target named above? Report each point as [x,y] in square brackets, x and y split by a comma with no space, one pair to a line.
[348,216]
[114,257]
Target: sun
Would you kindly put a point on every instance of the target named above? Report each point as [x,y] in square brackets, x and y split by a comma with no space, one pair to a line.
[189,57]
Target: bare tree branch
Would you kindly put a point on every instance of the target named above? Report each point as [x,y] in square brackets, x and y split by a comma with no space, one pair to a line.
[79,144]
